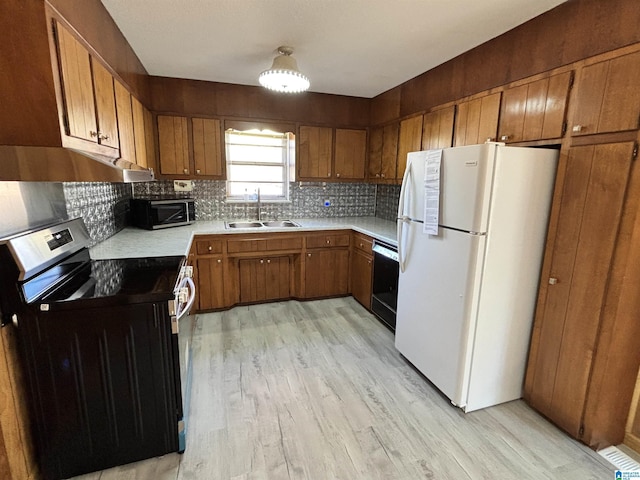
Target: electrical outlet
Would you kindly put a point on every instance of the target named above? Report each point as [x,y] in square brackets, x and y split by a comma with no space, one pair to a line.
[182,185]
[327,203]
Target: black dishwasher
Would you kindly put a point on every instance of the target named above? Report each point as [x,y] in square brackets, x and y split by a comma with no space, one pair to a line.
[384,298]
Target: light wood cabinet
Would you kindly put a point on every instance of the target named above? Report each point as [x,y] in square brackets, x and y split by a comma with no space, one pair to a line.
[437,128]
[632,430]
[574,283]
[211,287]
[150,137]
[477,120]
[361,276]
[326,272]
[140,133]
[81,119]
[314,153]
[410,140]
[350,154]
[608,97]
[536,110]
[383,153]
[207,148]
[264,279]
[173,144]
[125,123]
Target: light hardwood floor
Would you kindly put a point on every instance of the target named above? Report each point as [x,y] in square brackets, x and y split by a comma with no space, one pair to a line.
[316,390]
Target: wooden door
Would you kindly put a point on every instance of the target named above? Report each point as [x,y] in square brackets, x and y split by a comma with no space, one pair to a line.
[389,151]
[437,129]
[139,132]
[350,154]
[263,279]
[105,105]
[375,154]
[150,138]
[632,431]
[314,153]
[571,297]
[278,278]
[327,272]
[608,97]
[207,147]
[125,123]
[361,278]
[173,144]
[477,120]
[410,140]
[210,271]
[77,85]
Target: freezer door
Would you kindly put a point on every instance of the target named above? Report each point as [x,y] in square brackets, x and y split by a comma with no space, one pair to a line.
[437,298]
[465,186]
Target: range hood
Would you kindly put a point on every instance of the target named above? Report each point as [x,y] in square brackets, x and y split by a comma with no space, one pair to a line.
[57,164]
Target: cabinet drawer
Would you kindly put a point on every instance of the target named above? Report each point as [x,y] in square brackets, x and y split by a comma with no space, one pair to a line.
[364,243]
[264,244]
[207,246]
[335,240]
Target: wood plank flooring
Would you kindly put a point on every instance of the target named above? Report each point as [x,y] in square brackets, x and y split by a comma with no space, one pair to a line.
[316,390]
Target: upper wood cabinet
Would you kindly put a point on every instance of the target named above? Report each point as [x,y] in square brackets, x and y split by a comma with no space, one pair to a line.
[437,128]
[314,152]
[410,140]
[575,279]
[608,96]
[173,144]
[93,127]
[319,159]
[207,148]
[536,110]
[477,120]
[140,133]
[125,123]
[383,153]
[350,154]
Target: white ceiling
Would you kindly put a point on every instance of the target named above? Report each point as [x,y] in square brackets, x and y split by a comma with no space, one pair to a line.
[347,47]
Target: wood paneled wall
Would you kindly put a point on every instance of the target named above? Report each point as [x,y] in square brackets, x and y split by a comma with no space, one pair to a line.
[193,97]
[93,22]
[570,32]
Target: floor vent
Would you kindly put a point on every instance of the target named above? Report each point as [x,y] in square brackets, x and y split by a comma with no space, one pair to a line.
[621,460]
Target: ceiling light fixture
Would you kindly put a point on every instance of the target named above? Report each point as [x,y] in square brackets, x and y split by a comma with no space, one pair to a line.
[283,76]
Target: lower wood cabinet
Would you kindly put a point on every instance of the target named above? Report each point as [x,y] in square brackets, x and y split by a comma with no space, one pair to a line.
[264,279]
[361,277]
[210,288]
[326,272]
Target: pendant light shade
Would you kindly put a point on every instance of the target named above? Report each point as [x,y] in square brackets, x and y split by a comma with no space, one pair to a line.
[283,76]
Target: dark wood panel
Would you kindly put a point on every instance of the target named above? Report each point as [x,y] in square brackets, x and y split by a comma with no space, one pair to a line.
[570,32]
[193,97]
[386,106]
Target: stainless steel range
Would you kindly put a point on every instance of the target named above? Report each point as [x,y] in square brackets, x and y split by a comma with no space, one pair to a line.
[99,349]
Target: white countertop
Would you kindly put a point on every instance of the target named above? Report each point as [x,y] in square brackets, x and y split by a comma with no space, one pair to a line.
[136,243]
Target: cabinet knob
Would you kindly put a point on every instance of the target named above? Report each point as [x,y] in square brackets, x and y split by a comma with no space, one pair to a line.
[553,281]
[93,133]
[219,260]
[308,255]
[261,261]
[269,261]
[577,128]
[337,174]
[210,248]
[361,245]
[104,136]
[369,262]
[377,174]
[490,139]
[328,241]
[198,171]
[329,174]
[186,170]
[504,138]
[382,175]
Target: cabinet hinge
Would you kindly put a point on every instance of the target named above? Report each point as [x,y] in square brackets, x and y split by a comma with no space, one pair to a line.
[571,79]
[581,431]
[634,155]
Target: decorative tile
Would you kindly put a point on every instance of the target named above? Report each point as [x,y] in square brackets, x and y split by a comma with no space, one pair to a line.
[387,199]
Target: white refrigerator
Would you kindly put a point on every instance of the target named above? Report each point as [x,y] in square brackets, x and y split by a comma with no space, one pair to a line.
[466,295]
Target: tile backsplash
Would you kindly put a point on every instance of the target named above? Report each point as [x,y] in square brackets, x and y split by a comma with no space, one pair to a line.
[105,206]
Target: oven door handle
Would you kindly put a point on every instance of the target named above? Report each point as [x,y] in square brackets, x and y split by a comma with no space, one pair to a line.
[183,307]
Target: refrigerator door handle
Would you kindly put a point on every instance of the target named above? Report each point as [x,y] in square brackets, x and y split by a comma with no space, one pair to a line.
[402,218]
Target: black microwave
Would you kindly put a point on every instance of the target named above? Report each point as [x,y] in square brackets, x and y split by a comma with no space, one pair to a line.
[162,213]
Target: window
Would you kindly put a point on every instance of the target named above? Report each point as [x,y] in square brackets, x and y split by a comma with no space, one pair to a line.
[259,159]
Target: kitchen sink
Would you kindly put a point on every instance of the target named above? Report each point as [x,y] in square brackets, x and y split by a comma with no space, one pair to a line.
[268,224]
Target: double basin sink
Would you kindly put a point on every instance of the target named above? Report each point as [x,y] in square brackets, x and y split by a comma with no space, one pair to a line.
[266,224]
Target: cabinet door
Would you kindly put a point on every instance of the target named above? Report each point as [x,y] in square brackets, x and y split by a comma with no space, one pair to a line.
[314,152]
[437,129]
[173,143]
[207,147]
[608,97]
[375,153]
[150,138]
[125,123]
[263,279]
[567,321]
[389,151]
[477,120]
[75,68]
[139,132]
[410,140]
[278,278]
[327,272]
[535,111]
[361,278]
[210,272]
[350,154]
[105,105]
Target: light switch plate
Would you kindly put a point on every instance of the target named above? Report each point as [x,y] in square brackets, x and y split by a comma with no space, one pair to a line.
[182,185]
